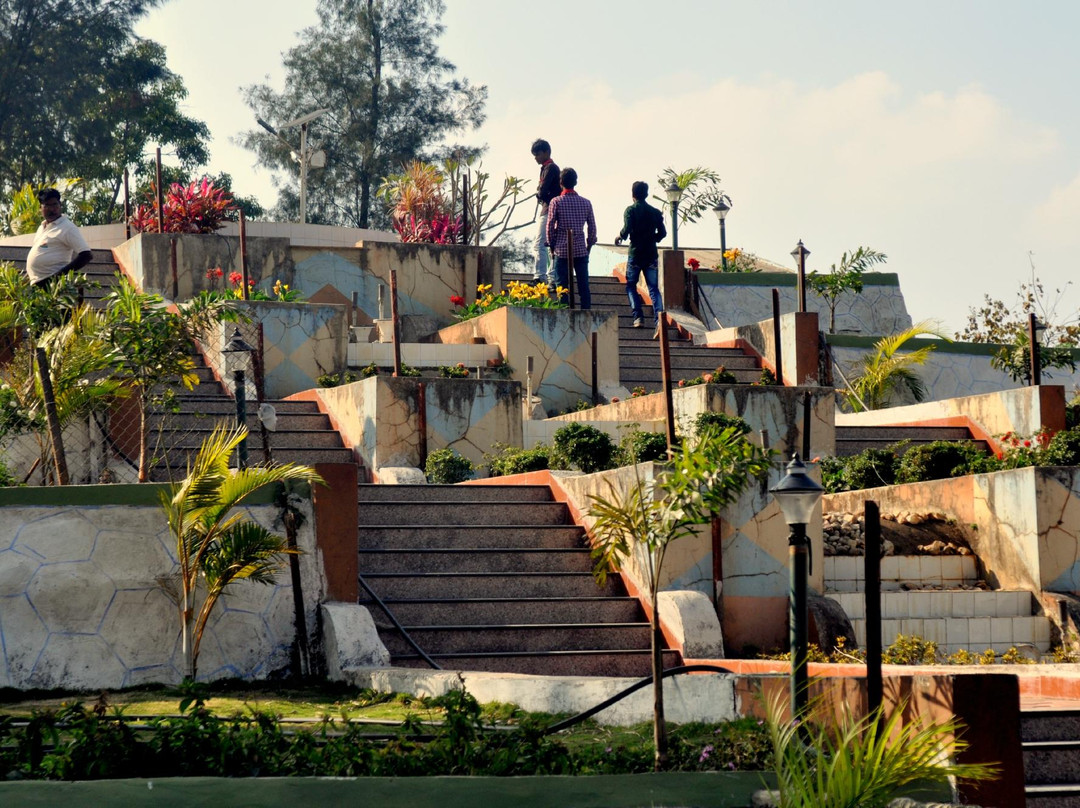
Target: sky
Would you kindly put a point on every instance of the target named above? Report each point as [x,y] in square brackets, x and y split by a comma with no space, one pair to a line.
[945,134]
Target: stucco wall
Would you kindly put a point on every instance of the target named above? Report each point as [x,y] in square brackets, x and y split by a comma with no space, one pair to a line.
[798,345]
[742,298]
[80,607]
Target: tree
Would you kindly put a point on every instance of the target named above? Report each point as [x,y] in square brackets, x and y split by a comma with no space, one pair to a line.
[707,474]
[151,346]
[885,372]
[700,191]
[80,96]
[215,547]
[843,277]
[375,65]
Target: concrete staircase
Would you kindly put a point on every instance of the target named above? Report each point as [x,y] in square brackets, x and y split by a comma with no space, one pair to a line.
[851,440]
[494,578]
[101,270]
[953,617]
[1050,740]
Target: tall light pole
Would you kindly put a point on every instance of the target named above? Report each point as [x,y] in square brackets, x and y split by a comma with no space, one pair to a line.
[799,254]
[721,210]
[674,194]
[305,157]
[798,494]
[237,354]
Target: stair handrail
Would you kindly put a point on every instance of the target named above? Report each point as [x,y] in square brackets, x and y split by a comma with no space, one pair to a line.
[838,369]
[622,694]
[699,297]
[397,625]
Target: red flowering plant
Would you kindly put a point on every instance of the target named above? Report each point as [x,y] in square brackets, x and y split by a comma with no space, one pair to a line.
[421,213]
[199,207]
[694,264]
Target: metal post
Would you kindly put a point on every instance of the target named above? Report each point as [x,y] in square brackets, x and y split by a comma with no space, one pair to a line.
[800,252]
[723,245]
[240,392]
[354,314]
[160,195]
[174,270]
[872,583]
[127,206]
[243,256]
[674,225]
[799,551]
[303,173]
[806,411]
[465,210]
[421,422]
[570,266]
[396,325]
[595,380]
[717,566]
[1033,345]
[665,375]
[778,354]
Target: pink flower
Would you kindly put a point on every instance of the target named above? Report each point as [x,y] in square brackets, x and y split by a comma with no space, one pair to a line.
[214,273]
[682,382]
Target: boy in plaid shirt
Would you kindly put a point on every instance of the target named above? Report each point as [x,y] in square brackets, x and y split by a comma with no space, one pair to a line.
[570,212]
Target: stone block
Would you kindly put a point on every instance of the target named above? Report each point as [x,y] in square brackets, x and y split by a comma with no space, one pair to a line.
[350,640]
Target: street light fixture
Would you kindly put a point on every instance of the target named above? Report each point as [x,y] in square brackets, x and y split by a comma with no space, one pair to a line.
[721,210]
[674,194]
[307,158]
[237,354]
[798,494]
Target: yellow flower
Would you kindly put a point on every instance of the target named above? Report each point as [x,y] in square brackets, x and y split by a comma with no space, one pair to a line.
[483,288]
[561,290]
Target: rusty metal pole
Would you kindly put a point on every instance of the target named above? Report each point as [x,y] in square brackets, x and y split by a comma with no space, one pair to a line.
[1033,346]
[778,353]
[570,266]
[717,566]
[806,411]
[595,380]
[127,206]
[396,323]
[665,375]
[243,255]
[421,422]
[465,210]
[872,585]
[160,195]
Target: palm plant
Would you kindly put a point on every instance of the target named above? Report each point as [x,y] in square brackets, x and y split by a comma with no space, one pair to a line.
[860,762]
[214,546]
[886,371]
[700,188]
[707,474]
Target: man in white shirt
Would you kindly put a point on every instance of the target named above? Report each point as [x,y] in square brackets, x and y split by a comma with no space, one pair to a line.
[58,245]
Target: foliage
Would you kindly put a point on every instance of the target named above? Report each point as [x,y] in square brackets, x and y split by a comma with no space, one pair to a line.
[937,460]
[700,188]
[505,460]
[870,468]
[500,368]
[585,447]
[642,447]
[199,207]
[738,260]
[843,277]
[488,217]
[82,96]
[214,546]
[447,467]
[706,474]
[865,762]
[1014,358]
[24,214]
[996,322]
[718,421]
[419,210]
[766,379]
[337,379]
[375,65]
[881,375]
[458,371]
[522,295]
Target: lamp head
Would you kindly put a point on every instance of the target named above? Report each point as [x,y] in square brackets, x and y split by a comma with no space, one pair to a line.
[721,210]
[797,493]
[673,192]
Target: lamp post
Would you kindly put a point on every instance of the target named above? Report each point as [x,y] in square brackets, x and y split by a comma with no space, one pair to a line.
[306,157]
[674,194]
[1035,368]
[798,495]
[237,353]
[799,254]
[721,211]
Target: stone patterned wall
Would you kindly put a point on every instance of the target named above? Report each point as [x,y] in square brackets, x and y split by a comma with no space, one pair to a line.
[744,298]
[378,417]
[80,608]
[560,342]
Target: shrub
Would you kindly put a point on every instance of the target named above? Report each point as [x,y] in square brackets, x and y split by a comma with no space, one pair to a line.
[337,379]
[910,650]
[938,460]
[458,371]
[1072,413]
[642,447]
[870,468]
[200,207]
[584,446]
[508,460]
[720,420]
[1064,448]
[446,467]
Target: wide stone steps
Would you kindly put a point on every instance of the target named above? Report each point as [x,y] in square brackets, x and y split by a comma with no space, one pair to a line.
[1050,740]
[102,270]
[493,578]
[192,437]
[852,440]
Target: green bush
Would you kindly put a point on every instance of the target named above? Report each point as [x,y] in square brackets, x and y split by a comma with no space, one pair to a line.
[508,460]
[938,460]
[642,447]
[871,468]
[337,379]
[1072,413]
[719,420]
[1064,448]
[446,467]
[585,447]
[458,371]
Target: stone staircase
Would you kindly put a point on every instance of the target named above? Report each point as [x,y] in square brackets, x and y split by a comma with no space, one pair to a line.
[851,440]
[639,354]
[494,578]
[923,596]
[101,270]
[1050,740]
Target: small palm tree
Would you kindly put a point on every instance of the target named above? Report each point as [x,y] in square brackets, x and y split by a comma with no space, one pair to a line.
[214,547]
[884,372]
[866,762]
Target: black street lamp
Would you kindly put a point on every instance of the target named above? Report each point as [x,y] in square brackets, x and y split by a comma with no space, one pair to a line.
[721,211]
[799,254]
[674,193]
[798,494]
[237,354]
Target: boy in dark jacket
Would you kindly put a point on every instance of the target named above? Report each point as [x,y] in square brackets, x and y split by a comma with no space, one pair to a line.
[644,226]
